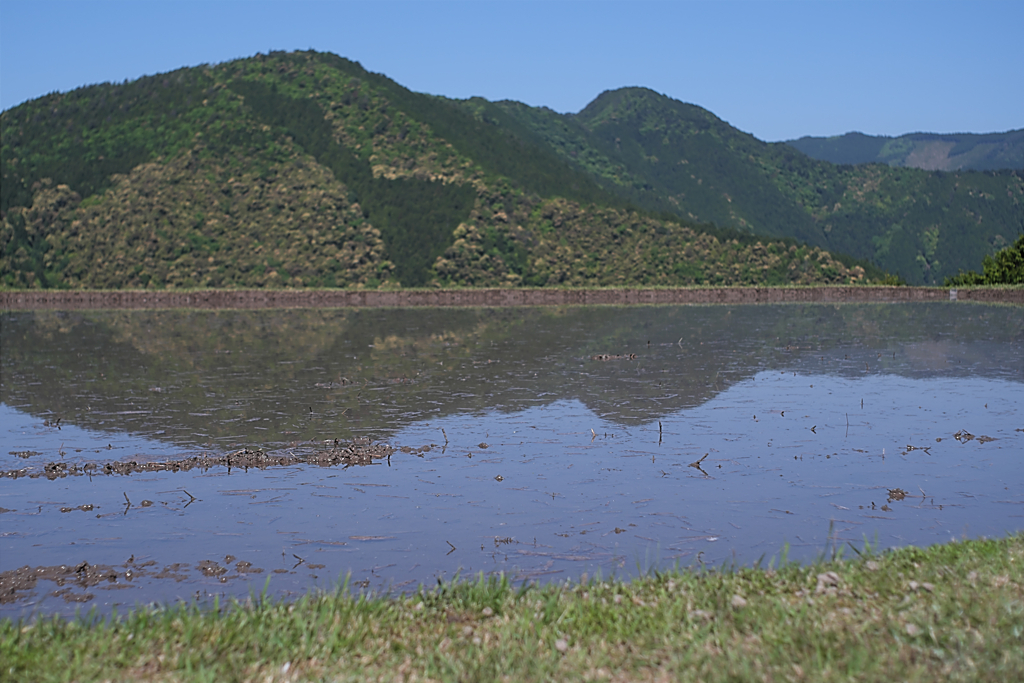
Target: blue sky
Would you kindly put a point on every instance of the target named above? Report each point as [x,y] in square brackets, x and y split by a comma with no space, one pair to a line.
[775,69]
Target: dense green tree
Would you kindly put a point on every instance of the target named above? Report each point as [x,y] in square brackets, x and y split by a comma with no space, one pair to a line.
[1005,268]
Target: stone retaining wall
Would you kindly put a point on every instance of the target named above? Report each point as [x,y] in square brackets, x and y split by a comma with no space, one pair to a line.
[247,299]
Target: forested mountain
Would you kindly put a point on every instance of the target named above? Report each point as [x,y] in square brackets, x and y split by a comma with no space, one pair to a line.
[928,151]
[668,156]
[303,169]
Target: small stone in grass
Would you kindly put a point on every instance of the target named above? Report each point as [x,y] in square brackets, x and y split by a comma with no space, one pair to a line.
[487,611]
[873,566]
[561,645]
[418,607]
[912,630]
[825,581]
[738,601]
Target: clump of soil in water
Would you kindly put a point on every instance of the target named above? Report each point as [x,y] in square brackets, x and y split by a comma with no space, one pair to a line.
[73,581]
[359,452]
[16,582]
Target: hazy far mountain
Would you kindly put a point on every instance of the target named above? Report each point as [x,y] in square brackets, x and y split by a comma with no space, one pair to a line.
[927,151]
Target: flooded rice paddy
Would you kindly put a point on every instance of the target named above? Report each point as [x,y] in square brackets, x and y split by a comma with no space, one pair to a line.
[156,456]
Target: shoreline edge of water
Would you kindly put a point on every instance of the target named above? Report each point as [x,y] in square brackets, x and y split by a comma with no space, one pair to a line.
[488,297]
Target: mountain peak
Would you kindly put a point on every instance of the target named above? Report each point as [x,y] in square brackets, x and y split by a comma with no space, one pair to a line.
[635,102]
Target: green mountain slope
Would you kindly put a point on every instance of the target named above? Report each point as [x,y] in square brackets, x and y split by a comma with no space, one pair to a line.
[927,151]
[304,169]
[664,155]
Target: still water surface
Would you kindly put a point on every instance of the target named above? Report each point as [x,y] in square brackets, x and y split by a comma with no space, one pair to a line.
[712,434]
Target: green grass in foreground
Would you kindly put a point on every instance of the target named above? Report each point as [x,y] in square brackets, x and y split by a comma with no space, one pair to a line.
[949,612]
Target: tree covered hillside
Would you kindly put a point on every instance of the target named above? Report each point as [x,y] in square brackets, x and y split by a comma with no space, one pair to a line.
[667,156]
[303,169]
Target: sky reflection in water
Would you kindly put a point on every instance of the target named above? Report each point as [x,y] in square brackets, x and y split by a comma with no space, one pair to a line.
[806,414]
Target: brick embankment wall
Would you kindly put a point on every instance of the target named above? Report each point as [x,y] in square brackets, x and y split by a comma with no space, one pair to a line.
[297,298]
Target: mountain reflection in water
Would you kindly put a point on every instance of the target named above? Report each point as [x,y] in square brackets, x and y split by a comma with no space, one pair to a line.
[591,417]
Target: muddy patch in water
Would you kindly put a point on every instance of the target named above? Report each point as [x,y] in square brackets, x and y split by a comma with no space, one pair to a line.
[333,453]
[72,583]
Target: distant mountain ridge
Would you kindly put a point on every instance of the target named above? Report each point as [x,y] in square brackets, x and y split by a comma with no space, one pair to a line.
[926,151]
